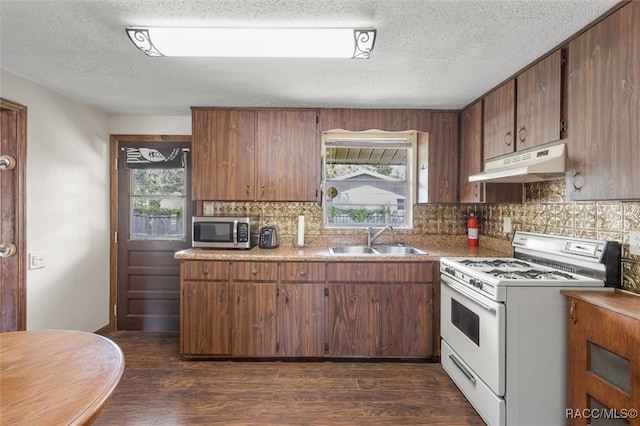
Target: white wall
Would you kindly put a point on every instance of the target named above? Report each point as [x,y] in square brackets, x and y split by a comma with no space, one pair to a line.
[67,207]
[150,125]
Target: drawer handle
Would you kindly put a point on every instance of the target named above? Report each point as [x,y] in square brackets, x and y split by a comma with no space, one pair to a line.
[507,138]
[303,272]
[254,271]
[462,368]
[573,312]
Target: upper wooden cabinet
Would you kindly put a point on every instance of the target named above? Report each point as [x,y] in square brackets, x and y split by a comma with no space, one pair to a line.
[438,173]
[471,163]
[287,156]
[603,109]
[249,155]
[526,111]
[538,103]
[499,121]
[223,144]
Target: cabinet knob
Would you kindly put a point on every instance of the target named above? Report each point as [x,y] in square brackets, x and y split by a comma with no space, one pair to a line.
[578,181]
[254,271]
[522,134]
[507,138]
[205,270]
[303,272]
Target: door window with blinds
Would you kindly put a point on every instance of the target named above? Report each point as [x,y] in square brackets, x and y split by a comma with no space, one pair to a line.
[158,192]
[368,178]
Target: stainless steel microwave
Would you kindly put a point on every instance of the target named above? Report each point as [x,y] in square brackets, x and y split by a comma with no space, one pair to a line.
[225,232]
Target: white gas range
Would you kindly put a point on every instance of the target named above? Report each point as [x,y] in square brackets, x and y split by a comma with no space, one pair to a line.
[503,324]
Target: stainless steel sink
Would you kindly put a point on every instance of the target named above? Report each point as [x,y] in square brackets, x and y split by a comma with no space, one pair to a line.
[397,250]
[376,250]
[352,250]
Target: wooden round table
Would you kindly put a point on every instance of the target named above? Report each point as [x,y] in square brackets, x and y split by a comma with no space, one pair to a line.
[56,377]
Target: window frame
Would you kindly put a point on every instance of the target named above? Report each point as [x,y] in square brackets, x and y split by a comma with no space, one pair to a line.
[381,139]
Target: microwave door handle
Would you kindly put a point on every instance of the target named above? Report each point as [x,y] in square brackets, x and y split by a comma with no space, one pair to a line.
[459,290]
[235,232]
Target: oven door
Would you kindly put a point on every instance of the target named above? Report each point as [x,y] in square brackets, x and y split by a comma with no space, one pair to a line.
[474,328]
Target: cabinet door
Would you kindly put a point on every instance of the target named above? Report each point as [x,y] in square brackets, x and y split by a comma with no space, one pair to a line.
[603,109]
[471,153]
[354,321]
[499,121]
[443,158]
[405,327]
[301,319]
[471,163]
[254,319]
[223,166]
[206,322]
[287,156]
[538,106]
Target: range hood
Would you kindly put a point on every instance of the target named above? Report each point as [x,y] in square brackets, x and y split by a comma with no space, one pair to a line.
[532,166]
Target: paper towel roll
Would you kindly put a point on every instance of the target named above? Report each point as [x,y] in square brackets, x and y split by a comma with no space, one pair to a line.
[300,230]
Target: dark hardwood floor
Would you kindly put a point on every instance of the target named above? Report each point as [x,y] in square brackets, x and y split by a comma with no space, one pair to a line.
[159,387]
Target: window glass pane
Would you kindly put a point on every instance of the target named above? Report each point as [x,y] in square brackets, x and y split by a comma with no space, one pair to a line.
[368,178]
[157,203]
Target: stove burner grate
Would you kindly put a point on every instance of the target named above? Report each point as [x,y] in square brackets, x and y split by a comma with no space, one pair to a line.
[496,263]
[531,274]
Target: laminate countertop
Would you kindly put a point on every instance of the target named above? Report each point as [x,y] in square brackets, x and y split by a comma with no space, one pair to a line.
[321,253]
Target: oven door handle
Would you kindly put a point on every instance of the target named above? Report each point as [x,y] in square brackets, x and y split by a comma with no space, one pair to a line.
[462,368]
[460,290]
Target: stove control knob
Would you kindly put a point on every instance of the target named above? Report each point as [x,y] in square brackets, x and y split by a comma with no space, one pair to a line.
[479,284]
[473,282]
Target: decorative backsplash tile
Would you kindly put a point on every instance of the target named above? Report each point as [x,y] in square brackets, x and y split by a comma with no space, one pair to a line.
[545,210]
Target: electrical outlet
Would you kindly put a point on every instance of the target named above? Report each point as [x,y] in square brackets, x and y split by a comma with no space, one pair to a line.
[634,242]
[37,260]
[506,224]
[208,208]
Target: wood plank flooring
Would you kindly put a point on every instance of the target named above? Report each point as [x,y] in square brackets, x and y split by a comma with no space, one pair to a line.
[159,387]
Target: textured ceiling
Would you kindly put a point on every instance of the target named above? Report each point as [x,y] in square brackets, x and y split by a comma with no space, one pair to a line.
[439,54]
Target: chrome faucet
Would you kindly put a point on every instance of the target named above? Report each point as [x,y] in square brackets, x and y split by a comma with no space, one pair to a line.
[371,239]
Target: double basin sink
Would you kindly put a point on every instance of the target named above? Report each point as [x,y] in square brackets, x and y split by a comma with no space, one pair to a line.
[375,250]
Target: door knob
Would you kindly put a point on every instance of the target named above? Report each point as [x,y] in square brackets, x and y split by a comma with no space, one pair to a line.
[7,162]
[7,249]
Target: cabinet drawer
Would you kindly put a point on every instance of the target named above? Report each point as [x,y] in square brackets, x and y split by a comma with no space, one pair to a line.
[255,271]
[205,270]
[302,272]
[376,272]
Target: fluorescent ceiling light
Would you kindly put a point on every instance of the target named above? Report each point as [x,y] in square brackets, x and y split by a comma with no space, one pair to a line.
[255,42]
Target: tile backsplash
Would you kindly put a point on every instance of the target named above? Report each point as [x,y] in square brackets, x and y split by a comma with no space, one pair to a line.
[545,210]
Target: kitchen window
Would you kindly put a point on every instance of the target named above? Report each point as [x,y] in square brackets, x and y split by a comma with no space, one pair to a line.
[368,178]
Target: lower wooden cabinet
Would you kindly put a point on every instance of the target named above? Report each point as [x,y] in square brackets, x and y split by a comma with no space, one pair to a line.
[205,315]
[380,309]
[301,309]
[306,309]
[604,360]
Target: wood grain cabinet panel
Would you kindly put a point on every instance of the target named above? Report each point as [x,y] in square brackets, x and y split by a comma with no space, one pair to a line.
[538,106]
[604,361]
[380,309]
[442,179]
[223,153]
[205,316]
[301,309]
[603,109]
[471,163]
[287,155]
[254,307]
[500,121]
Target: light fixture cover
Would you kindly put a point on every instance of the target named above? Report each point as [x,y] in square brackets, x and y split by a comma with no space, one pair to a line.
[255,42]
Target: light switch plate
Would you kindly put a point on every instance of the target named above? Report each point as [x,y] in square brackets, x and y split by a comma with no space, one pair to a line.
[634,242]
[506,224]
[37,260]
